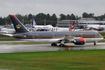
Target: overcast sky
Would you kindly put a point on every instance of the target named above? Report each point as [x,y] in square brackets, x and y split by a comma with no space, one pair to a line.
[57,7]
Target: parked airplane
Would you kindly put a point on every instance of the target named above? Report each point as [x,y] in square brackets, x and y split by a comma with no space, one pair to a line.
[95,27]
[48,27]
[7,31]
[76,37]
[65,29]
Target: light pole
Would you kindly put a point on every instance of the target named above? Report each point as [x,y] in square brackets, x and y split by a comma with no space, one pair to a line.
[23,20]
[31,24]
[44,21]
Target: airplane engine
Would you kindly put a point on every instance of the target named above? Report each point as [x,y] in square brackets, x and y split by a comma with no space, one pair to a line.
[79,41]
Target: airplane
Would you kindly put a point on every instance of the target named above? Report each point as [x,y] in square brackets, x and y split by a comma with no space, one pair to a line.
[7,31]
[48,27]
[65,29]
[76,37]
[95,27]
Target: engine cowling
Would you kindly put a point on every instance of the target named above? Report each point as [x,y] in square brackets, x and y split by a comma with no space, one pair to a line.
[79,41]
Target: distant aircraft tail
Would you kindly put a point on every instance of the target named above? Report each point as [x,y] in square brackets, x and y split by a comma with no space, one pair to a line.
[34,23]
[19,27]
[72,27]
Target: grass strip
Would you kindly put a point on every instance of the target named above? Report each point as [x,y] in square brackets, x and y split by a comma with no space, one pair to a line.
[54,60]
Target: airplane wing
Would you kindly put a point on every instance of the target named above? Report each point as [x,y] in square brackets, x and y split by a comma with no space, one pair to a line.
[11,35]
[69,38]
[66,38]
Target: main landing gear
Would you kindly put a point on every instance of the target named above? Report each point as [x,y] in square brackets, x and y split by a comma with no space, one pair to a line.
[53,44]
[62,44]
[95,42]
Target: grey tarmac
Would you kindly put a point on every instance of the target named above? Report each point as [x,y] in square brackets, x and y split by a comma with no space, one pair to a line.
[47,47]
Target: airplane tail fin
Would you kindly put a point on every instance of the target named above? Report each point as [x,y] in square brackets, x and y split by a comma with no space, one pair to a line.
[72,27]
[19,27]
[34,23]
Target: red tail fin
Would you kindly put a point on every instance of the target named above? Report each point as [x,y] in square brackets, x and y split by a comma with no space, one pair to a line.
[72,27]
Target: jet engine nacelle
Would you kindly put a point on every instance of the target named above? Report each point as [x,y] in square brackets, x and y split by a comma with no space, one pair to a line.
[79,41]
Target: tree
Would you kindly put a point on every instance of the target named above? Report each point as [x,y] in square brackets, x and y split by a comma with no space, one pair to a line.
[62,17]
[53,20]
[72,17]
[85,15]
[40,17]
[91,15]
[76,17]
[30,16]
[68,17]
[7,20]
[2,21]
[54,17]
[48,17]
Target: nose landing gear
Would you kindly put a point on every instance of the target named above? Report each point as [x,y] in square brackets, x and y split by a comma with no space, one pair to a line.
[95,42]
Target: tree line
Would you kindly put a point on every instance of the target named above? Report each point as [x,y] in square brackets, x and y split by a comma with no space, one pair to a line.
[42,18]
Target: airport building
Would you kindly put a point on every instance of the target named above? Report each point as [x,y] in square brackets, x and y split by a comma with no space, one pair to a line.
[82,23]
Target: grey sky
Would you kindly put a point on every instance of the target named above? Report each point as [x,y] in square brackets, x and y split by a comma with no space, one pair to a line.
[34,7]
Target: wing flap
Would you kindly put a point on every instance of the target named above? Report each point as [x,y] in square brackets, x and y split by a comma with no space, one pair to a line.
[68,37]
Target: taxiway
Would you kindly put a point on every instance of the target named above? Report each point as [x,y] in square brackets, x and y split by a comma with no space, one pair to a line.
[46,47]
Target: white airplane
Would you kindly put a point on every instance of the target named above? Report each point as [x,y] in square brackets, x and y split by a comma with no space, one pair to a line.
[48,27]
[95,27]
[65,29]
[7,31]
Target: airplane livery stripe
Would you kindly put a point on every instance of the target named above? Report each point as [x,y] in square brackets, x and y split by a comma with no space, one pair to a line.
[45,37]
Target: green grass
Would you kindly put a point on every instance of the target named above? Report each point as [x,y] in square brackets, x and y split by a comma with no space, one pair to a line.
[56,60]
[7,38]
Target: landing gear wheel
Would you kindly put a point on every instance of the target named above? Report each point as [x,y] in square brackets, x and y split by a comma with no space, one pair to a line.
[95,42]
[53,44]
[61,45]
